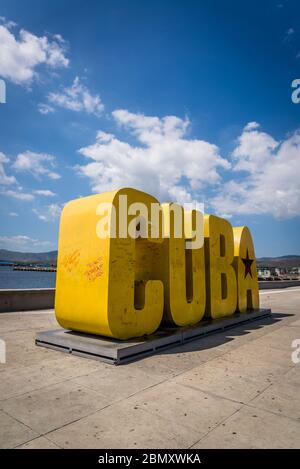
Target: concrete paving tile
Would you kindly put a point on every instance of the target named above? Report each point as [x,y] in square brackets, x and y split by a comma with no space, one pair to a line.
[253,428]
[27,358]
[281,398]
[118,382]
[60,364]
[295,323]
[176,361]
[17,381]
[12,432]
[191,408]
[12,368]
[240,376]
[11,322]
[281,338]
[185,357]
[54,406]
[293,375]
[153,367]
[21,349]
[69,366]
[18,339]
[217,378]
[39,443]
[256,366]
[264,353]
[216,345]
[123,426]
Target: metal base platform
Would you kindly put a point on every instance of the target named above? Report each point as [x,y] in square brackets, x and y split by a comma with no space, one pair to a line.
[119,351]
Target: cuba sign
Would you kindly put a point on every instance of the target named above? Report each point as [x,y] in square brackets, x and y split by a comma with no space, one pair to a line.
[127,264]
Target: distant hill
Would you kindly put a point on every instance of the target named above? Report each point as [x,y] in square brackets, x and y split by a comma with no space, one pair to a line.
[283,261]
[28,257]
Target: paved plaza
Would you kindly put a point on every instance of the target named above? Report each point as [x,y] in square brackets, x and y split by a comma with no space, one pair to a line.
[234,389]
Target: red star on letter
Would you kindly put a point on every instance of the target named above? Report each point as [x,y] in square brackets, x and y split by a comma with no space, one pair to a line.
[247,263]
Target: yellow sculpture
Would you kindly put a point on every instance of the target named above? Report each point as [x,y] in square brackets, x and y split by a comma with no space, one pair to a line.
[183,274]
[99,288]
[124,266]
[220,274]
[245,268]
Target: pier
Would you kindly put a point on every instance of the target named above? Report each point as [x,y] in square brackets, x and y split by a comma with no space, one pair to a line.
[34,268]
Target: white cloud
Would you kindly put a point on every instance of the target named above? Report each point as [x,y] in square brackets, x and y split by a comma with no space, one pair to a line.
[270,183]
[164,162]
[4,179]
[20,56]
[22,242]
[18,239]
[254,148]
[265,173]
[13,214]
[49,213]
[19,195]
[44,193]
[38,164]
[77,98]
[45,109]
[288,36]
[252,125]
[8,24]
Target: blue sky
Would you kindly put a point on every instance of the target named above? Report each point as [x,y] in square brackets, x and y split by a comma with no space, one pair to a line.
[187,100]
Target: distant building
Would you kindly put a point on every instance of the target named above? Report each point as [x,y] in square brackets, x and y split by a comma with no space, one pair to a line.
[280,271]
[264,272]
[295,271]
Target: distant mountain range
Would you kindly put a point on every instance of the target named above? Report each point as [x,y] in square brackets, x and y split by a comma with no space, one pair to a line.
[28,257]
[283,261]
[51,257]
